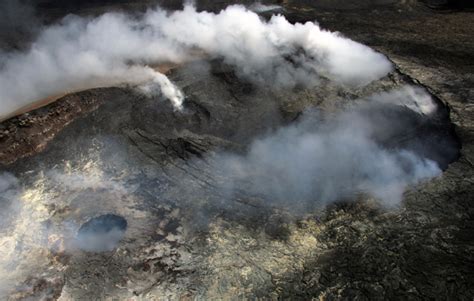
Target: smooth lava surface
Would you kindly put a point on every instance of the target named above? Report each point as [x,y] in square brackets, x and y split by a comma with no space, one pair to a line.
[101,233]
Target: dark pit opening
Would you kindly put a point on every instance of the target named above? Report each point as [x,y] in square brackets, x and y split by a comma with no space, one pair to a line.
[101,233]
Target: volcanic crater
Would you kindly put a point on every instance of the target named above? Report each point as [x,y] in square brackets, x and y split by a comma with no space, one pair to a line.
[172,205]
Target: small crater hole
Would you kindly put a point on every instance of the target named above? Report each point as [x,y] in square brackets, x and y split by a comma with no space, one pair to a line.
[101,233]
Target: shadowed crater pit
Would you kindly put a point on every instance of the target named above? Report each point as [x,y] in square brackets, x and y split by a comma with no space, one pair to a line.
[101,233]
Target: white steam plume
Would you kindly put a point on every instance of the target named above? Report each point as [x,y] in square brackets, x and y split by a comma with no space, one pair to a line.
[414,98]
[324,159]
[113,49]
[259,7]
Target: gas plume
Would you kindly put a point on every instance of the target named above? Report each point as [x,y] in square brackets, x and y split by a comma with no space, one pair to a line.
[325,158]
[116,48]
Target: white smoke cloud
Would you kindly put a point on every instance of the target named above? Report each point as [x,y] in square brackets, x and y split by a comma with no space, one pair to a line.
[114,49]
[29,235]
[7,183]
[259,7]
[274,52]
[324,159]
[414,98]
[321,159]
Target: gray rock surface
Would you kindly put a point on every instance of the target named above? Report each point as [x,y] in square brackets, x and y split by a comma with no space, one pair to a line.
[138,158]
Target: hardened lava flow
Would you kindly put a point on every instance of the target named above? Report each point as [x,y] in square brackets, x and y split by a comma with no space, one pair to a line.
[291,151]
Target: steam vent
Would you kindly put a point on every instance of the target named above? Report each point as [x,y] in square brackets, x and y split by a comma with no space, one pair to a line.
[236,150]
[101,233]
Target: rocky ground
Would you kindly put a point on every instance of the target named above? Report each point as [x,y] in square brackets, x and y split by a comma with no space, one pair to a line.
[114,151]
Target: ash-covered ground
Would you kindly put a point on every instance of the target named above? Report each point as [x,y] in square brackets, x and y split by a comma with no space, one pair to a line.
[111,194]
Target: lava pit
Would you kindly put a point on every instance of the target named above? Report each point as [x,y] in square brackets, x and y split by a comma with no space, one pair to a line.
[101,233]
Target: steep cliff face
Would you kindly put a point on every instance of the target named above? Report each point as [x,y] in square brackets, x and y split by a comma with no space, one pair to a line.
[113,152]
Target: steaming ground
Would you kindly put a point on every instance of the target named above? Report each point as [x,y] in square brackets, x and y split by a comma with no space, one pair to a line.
[324,159]
[176,178]
[279,121]
[113,49]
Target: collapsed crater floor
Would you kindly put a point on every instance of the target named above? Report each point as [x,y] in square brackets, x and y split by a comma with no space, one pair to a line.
[142,161]
[101,233]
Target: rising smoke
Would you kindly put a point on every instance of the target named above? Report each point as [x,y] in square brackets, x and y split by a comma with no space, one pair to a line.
[116,49]
[26,212]
[320,159]
[325,158]
[259,7]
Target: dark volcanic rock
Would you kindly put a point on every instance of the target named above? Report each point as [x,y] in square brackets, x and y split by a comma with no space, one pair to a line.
[113,151]
[29,133]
